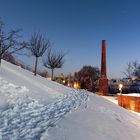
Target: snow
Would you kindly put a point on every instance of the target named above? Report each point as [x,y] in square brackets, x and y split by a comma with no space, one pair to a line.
[25,118]
[132,94]
[102,120]
[113,99]
[39,87]
[33,108]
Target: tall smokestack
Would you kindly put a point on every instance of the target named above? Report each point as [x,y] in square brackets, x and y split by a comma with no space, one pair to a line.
[103,81]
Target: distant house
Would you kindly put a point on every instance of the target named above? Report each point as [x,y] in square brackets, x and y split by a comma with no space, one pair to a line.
[130,85]
[114,85]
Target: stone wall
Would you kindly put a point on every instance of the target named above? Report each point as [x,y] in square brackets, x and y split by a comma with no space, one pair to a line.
[131,102]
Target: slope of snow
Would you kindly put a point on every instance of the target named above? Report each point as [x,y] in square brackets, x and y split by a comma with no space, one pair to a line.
[33,108]
[102,120]
[39,87]
[23,118]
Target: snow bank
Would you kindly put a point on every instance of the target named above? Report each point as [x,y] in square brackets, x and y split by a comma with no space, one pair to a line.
[132,94]
[25,118]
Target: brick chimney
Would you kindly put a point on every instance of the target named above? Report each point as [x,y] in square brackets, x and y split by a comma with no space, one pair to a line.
[103,81]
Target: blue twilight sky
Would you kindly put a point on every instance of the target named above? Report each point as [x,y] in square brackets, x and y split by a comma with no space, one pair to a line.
[78,27]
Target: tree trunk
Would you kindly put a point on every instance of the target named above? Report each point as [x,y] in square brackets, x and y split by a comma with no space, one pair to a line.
[0,59]
[52,74]
[36,66]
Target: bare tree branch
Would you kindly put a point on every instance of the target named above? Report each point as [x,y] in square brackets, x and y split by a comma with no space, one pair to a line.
[38,45]
[54,60]
[9,41]
[132,69]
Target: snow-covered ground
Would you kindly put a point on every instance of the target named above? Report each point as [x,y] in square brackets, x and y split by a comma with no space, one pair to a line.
[102,120]
[113,99]
[40,88]
[24,118]
[33,108]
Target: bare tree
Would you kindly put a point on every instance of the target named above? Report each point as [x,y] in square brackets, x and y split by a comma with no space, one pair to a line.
[129,70]
[54,60]
[8,41]
[132,69]
[38,45]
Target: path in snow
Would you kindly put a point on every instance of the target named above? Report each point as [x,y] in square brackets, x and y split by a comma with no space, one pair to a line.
[24,118]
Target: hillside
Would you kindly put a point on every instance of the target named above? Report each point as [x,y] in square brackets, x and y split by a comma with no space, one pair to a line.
[34,108]
[37,85]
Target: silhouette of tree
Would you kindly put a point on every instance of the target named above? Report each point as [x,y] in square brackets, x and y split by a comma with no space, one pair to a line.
[38,45]
[9,41]
[87,77]
[132,69]
[54,60]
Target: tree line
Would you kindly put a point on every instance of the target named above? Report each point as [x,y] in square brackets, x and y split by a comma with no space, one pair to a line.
[37,45]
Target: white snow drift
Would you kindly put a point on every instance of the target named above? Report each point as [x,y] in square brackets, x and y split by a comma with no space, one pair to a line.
[33,108]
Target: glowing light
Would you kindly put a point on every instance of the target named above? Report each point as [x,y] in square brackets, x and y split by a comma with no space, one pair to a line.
[76,85]
[68,84]
[49,78]
[120,87]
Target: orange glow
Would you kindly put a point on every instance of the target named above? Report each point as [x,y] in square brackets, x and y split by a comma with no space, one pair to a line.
[68,84]
[76,85]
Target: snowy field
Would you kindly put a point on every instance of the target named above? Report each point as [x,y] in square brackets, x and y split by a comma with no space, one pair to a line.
[33,108]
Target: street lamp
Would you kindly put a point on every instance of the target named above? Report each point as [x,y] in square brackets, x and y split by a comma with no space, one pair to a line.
[120,87]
